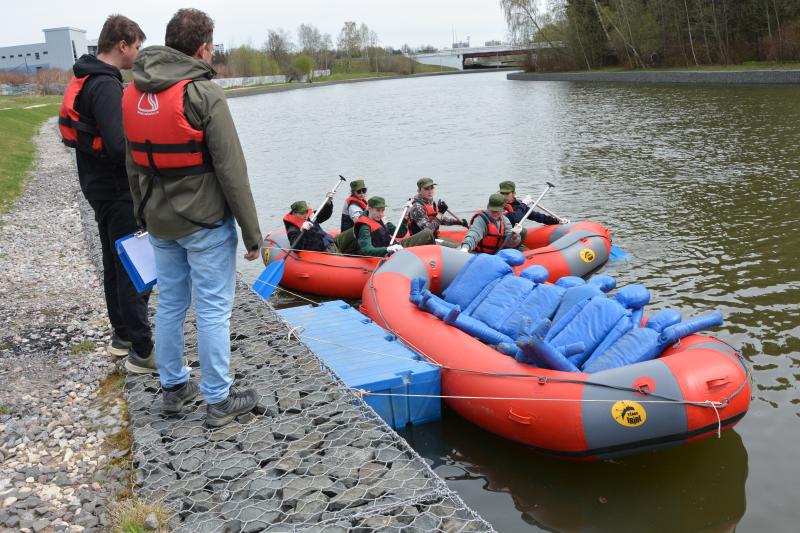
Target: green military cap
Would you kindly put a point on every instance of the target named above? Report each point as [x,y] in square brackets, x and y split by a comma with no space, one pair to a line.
[357,184]
[507,186]
[300,207]
[376,201]
[424,182]
[497,202]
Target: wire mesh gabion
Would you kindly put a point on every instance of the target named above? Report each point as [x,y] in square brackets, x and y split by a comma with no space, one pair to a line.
[311,457]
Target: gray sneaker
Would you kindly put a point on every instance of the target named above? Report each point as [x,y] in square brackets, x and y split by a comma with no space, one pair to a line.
[175,400]
[141,365]
[237,403]
[118,347]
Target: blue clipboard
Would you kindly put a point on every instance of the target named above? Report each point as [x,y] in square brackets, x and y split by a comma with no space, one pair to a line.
[136,254]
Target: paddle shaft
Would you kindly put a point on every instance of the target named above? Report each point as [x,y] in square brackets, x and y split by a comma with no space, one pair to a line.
[313,218]
[528,213]
[399,223]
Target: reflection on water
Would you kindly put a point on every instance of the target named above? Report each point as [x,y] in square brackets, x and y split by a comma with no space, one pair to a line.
[700,184]
[695,488]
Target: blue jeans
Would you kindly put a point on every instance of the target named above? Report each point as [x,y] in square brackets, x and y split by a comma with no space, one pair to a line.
[204,261]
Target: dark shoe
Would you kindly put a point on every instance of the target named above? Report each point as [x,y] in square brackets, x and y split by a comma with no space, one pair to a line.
[176,399]
[141,365]
[237,403]
[118,347]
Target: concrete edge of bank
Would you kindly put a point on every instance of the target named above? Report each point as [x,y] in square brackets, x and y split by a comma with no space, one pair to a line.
[262,89]
[741,77]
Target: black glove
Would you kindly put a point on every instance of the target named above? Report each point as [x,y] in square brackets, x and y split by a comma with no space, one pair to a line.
[442,207]
[464,222]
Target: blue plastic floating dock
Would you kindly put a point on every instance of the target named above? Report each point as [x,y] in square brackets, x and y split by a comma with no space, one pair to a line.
[368,357]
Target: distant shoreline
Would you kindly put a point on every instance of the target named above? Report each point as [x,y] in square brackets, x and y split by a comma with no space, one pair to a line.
[724,77]
[262,89]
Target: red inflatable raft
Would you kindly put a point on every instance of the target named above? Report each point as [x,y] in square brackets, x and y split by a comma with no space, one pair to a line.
[694,389]
[575,249]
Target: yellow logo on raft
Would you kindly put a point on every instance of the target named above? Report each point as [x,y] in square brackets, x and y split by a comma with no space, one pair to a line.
[265,252]
[587,254]
[629,414]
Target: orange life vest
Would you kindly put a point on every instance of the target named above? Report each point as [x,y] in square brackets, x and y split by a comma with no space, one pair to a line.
[492,242]
[159,134]
[297,221]
[431,210]
[70,122]
[378,231]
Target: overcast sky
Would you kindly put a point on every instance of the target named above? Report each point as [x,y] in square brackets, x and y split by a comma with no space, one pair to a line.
[415,22]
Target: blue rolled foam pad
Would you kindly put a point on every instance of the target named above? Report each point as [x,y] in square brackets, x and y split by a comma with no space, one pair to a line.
[540,303]
[504,299]
[633,296]
[671,334]
[639,344]
[621,328]
[511,256]
[535,351]
[474,277]
[588,322]
[451,314]
[570,281]
[535,273]
[663,319]
[603,282]
[573,296]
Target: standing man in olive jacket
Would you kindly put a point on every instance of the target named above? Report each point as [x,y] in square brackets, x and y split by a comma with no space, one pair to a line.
[90,121]
[190,186]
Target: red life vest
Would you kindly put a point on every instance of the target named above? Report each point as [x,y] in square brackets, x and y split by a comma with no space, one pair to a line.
[296,221]
[431,210]
[70,122]
[509,208]
[378,231]
[355,200]
[493,241]
[159,134]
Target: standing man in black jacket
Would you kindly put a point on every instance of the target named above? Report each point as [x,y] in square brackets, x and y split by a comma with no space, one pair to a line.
[91,122]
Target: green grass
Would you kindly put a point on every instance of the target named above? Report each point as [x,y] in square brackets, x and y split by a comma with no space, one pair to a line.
[129,516]
[4,409]
[341,76]
[18,126]
[83,347]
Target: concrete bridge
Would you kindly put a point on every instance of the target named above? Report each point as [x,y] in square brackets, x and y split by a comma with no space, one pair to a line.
[482,57]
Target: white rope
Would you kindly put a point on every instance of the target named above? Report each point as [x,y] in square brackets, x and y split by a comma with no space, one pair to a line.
[706,403]
[292,332]
[719,420]
[309,300]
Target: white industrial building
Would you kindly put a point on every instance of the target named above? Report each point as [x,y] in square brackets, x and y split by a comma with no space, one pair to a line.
[61,48]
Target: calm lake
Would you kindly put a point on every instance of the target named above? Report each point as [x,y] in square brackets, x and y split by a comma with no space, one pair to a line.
[700,184]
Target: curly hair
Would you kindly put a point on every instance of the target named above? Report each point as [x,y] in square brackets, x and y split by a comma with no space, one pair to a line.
[188,30]
[118,28]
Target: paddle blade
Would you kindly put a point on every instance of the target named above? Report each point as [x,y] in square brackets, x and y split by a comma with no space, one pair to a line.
[268,281]
[618,254]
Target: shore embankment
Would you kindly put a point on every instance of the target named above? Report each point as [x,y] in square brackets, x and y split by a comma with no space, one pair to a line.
[725,77]
[261,89]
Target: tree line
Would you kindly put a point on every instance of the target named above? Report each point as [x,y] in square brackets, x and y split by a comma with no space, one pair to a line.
[356,49]
[587,34]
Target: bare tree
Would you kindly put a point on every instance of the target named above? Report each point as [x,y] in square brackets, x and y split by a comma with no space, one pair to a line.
[309,39]
[279,47]
[325,48]
[349,42]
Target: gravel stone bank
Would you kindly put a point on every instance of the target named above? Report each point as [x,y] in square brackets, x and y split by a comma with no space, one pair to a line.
[55,457]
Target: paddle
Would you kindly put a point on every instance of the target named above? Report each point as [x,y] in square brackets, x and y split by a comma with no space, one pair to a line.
[397,228]
[267,282]
[530,210]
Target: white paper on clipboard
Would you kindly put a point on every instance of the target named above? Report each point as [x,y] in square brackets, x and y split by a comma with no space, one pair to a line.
[140,253]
